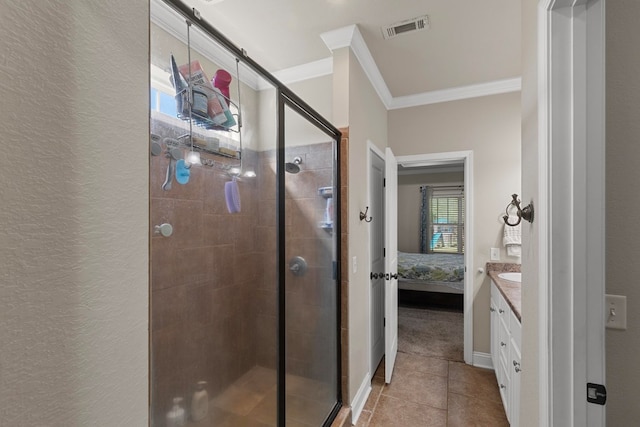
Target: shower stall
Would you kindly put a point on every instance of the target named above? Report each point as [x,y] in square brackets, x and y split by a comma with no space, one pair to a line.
[245,230]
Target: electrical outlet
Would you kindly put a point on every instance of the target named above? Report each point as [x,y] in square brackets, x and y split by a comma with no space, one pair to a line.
[615,312]
[495,254]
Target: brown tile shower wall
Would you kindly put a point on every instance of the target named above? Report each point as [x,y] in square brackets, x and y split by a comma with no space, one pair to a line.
[309,298]
[266,297]
[344,251]
[214,281]
[203,281]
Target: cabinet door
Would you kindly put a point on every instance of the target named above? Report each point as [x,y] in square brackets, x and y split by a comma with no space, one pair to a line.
[514,389]
[505,386]
[494,333]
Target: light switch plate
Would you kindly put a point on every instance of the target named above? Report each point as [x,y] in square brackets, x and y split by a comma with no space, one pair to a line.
[615,312]
[495,254]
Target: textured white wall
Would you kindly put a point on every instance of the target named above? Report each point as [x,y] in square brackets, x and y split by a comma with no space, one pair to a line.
[490,126]
[74,213]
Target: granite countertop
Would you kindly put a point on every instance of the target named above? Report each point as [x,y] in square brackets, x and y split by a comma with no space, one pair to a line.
[511,291]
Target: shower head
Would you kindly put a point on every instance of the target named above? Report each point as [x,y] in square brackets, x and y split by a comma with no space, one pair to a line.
[293,167]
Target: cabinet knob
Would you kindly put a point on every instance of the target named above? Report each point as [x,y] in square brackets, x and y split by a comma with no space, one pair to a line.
[501,311]
[491,309]
[516,366]
[503,344]
[502,386]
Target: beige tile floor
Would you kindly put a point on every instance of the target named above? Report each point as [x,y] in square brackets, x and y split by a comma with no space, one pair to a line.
[432,390]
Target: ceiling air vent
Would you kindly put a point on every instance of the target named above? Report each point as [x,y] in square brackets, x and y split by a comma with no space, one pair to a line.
[416,24]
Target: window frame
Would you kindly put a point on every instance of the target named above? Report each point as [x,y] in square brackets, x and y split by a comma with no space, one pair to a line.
[446,192]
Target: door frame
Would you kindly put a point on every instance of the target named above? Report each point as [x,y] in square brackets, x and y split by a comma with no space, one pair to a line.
[466,157]
[571,246]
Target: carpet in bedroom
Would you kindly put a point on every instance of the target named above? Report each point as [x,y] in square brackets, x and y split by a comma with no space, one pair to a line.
[431,332]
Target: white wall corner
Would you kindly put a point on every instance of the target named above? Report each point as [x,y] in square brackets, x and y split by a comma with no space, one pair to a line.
[360,398]
[482,360]
[350,36]
[339,38]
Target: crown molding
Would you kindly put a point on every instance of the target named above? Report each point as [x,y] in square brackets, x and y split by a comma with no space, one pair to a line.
[310,70]
[339,38]
[457,93]
[350,36]
[166,18]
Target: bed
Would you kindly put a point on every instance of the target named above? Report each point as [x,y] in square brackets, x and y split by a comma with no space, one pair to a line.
[431,272]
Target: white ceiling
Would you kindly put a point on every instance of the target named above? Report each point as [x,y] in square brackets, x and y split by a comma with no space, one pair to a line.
[469,43]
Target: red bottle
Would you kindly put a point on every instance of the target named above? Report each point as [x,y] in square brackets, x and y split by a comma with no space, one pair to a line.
[221,81]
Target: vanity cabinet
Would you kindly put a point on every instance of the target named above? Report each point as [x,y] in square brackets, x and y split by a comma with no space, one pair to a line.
[506,332]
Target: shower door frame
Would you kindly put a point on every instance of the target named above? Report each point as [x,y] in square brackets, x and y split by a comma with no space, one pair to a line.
[286,96]
[289,99]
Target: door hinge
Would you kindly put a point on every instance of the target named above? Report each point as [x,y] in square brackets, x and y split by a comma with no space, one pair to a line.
[384,252]
[596,393]
[384,182]
[384,321]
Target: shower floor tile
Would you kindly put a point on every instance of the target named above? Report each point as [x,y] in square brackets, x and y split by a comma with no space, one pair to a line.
[238,400]
[251,401]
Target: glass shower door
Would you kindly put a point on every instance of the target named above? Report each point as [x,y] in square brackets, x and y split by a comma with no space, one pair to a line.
[214,263]
[311,270]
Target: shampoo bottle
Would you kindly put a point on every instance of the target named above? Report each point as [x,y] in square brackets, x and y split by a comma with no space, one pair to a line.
[200,402]
[176,416]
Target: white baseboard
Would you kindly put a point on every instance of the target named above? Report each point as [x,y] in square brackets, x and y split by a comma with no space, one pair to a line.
[360,398]
[482,360]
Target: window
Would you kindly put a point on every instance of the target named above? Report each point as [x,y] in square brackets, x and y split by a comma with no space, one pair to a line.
[163,102]
[442,220]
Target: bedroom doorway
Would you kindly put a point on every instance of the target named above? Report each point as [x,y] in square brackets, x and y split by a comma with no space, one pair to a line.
[447,235]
